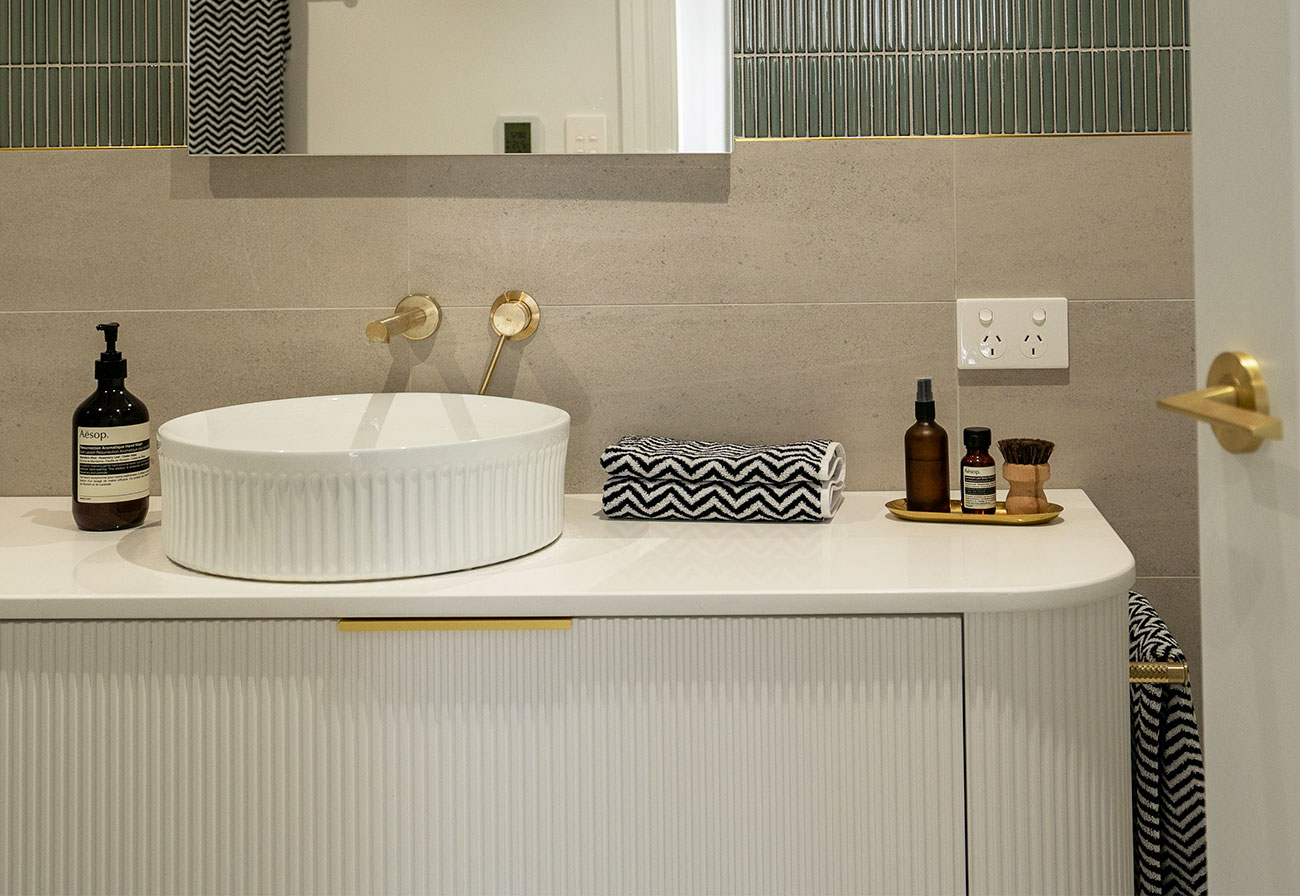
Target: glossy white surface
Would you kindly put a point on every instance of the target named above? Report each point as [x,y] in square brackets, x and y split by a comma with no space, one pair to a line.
[864,561]
[369,486]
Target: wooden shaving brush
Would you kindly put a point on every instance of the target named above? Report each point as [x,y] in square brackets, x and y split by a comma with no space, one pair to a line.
[1025,470]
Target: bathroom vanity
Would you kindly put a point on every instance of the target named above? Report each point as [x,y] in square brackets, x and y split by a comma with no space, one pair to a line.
[862,706]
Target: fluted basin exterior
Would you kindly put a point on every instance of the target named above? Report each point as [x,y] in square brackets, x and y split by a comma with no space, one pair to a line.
[369,486]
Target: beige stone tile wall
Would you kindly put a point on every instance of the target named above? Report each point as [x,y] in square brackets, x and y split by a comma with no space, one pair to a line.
[795,289]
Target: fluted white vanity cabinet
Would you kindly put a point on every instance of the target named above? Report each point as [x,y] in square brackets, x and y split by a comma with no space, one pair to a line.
[733,709]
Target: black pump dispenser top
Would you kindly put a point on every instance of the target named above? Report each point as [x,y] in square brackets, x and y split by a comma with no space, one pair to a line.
[111,365]
[924,399]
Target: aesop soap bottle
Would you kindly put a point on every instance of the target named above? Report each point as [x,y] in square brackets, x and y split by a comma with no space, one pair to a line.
[925,453]
[110,448]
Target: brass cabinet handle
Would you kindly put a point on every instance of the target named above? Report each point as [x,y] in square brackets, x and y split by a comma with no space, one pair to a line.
[1234,403]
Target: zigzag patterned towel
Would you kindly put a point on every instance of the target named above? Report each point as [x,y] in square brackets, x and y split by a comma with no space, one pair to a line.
[646,457]
[669,499]
[1168,772]
[236,75]
[656,478]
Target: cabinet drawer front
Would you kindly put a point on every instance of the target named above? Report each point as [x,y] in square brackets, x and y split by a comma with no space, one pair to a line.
[740,755]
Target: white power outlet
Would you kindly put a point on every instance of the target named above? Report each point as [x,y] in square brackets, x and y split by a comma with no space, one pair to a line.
[1005,333]
[584,133]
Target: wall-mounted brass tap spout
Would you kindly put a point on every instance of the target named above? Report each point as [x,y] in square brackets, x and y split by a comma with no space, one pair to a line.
[416,317]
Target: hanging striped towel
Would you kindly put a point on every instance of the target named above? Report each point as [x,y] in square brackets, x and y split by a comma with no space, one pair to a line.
[658,478]
[1168,771]
[236,75]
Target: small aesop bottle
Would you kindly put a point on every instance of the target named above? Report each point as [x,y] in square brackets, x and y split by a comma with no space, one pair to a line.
[925,457]
[110,448]
[978,472]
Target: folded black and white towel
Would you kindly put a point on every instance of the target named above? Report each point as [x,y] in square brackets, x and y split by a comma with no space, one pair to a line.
[1168,770]
[655,478]
[647,457]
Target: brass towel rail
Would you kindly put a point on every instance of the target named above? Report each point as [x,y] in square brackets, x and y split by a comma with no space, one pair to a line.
[1158,673]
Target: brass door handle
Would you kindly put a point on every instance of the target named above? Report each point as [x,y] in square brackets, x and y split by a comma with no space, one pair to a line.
[1234,403]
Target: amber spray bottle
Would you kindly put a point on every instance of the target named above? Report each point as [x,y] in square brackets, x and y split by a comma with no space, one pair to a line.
[925,454]
[978,472]
[110,448]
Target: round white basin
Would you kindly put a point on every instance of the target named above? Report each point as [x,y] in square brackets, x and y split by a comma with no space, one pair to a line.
[370,486]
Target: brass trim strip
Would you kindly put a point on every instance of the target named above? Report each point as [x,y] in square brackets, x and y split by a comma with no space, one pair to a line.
[1158,673]
[455,625]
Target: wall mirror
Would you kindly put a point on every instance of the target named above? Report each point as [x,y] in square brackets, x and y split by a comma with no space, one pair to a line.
[461,77]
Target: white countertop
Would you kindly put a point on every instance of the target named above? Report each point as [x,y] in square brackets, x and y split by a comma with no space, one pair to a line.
[864,561]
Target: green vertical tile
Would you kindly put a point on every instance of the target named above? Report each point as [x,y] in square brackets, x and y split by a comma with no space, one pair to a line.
[1179,76]
[825,40]
[41,122]
[123,109]
[1035,100]
[1125,99]
[994,101]
[785,26]
[762,102]
[787,97]
[1065,91]
[1151,62]
[1124,23]
[827,98]
[943,21]
[1094,22]
[737,96]
[853,26]
[737,26]
[838,22]
[776,97]
[77,32]
[852,105]
[1048,89]
[1084,15]
[76,87]
[1140,123]
[1068,23]
[904,70]
[1113,78]
[1164,65]
[1012,121]
[924,24]
[799,109]
[891,96]
[889,27]
[1099,124]
[7,28]
[1110,22]
[140,42]
[140,90]
[1164,23]
[148,114]
[61,27]
[67,106]
[165,137]
[745,96]
[1086,93]
[103,112]
[980,31]
[914,103]
[1178,22]
[927,113]
[179,128]
[6,137]
[967,16]
[943,90]
[178,30]
[761,28]
[966,62]
[1151,22]
[980,84]
[840,113]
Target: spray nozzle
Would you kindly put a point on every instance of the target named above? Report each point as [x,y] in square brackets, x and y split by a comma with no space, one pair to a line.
[923,390]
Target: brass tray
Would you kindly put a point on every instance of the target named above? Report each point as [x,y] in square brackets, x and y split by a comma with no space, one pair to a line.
[999,517]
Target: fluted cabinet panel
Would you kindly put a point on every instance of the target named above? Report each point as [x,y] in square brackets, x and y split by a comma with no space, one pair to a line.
[1047,751]
[768,755]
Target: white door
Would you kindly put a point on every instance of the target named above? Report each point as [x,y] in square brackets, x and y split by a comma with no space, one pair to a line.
[1246,181]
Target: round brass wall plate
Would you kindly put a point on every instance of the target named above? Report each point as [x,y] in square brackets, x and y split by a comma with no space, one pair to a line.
[1241,371]
[517,321]
[432,315]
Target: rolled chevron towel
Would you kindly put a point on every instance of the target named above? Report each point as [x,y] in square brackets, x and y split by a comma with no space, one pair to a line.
[648,457]
[656,478]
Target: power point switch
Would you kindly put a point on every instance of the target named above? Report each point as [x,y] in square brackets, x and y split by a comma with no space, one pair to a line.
[584,134]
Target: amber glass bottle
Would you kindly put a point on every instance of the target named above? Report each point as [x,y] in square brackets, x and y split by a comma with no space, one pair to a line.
[110,448]
[925,454]
[978,472]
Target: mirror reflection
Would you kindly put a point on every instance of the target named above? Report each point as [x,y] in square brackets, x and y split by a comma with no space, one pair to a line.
[420,77]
